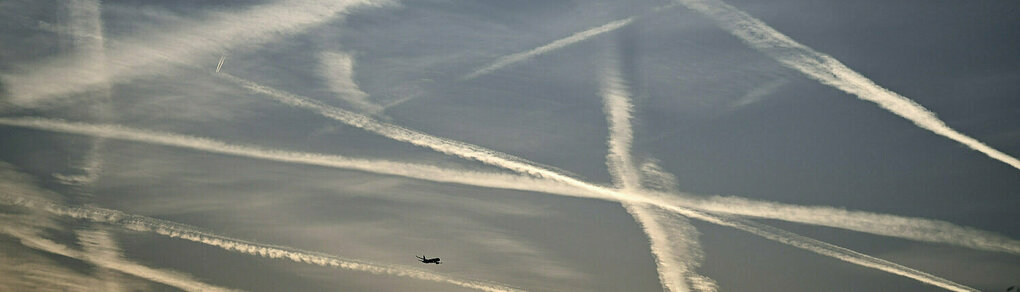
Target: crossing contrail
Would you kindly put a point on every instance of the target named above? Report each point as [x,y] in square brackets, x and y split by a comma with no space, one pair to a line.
[151,54]
[574,186]
[673,240]
[830,71]
[483,155]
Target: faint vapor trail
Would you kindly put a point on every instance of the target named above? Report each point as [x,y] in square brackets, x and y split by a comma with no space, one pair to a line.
[176,230]
[560,43]
[150,54]
[673,240]
[830,71]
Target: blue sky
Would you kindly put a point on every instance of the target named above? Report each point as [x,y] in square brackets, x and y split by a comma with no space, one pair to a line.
[694,145]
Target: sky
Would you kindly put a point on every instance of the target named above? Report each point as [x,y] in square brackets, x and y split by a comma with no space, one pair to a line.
[647,145]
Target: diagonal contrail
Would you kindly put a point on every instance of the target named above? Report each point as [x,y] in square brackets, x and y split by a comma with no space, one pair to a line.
[673,240]
[560,43]
[574,187]
[14,193]
[150,54]
[830,71]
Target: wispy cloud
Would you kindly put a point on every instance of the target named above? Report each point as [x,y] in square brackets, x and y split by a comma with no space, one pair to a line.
[830,71]
[338,70]
[151,54]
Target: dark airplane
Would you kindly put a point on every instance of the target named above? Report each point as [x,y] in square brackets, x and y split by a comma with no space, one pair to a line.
[426,260]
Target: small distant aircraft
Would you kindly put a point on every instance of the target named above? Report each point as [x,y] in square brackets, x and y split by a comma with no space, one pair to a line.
[426,260]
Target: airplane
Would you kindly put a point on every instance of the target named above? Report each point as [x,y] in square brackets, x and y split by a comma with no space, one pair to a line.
[426,260]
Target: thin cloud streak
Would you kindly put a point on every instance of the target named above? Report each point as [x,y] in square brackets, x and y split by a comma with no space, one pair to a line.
[830,71]
[673,241]
[560,43]
[151,54]
[176,230]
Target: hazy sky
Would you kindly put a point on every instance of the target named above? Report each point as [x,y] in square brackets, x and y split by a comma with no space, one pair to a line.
[688,145]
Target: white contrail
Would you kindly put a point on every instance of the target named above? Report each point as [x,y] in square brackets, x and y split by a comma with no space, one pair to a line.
[338,70]
[181,281]
[616,97]
[409,170]
[151,54]
[176,230]
[574,187]
[574,38]
[673,240]
[919,229]
[220,64]
[830,71]
[825,249]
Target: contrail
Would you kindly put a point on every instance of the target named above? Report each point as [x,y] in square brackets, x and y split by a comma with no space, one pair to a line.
[675,247]
[151,54]
[176,230]
[181,281]
[560,43]
[825,249]
[573,186]
[220,64]
[408,170]
[919,229]
[338,70]
[616,97]
[830,71]
[673,240]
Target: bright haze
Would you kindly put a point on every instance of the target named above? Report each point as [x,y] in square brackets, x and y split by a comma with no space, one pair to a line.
[645,145]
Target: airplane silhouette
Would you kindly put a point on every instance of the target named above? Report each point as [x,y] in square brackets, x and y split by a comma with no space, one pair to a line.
[426,260]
